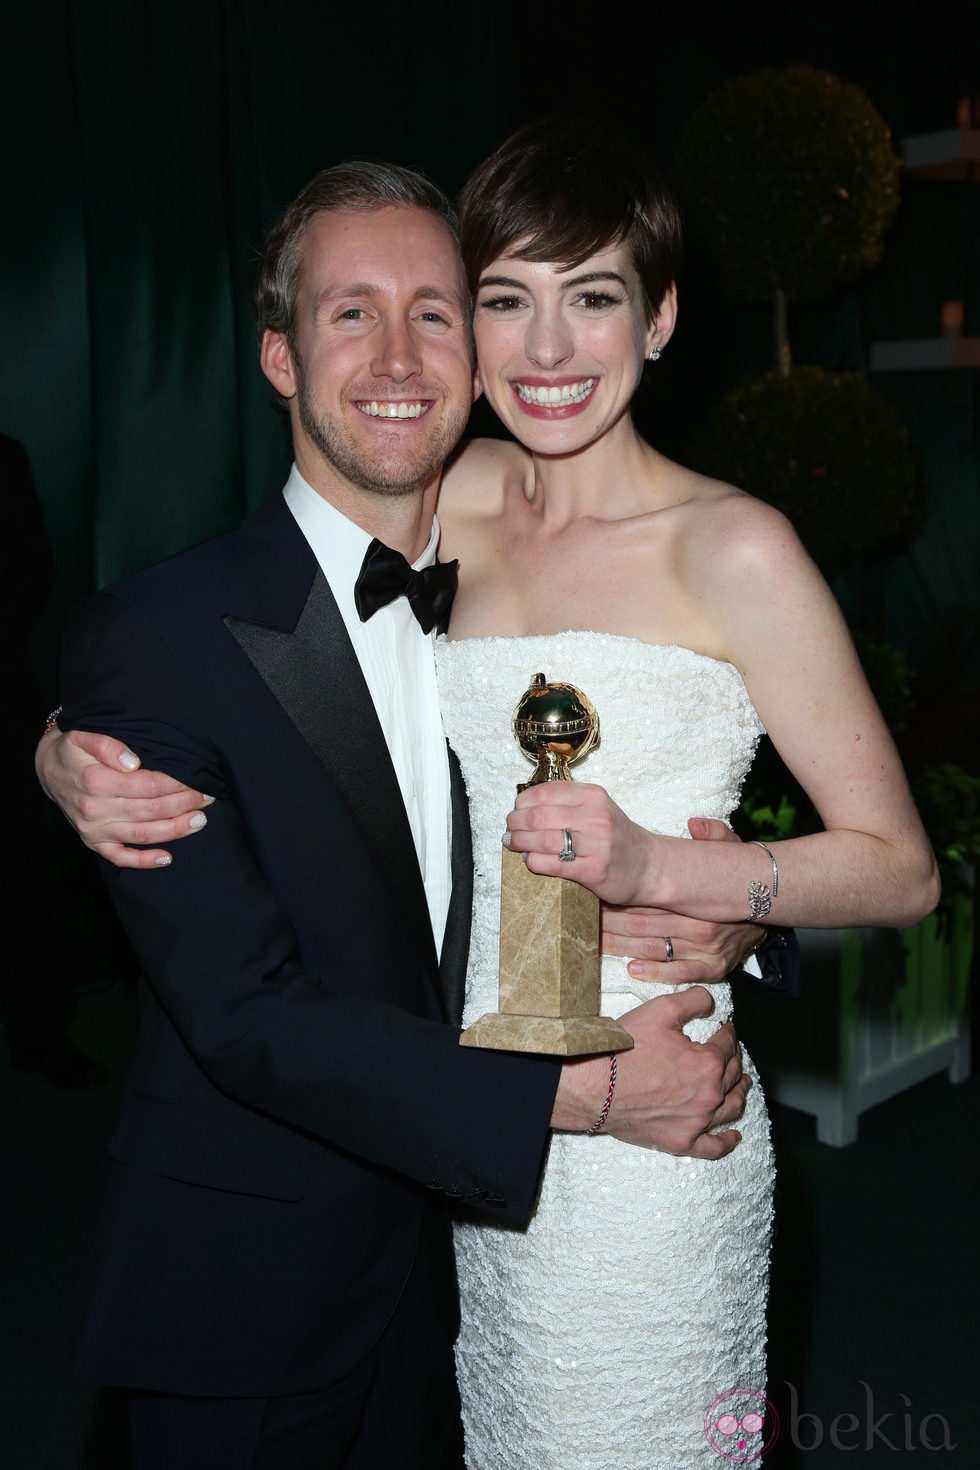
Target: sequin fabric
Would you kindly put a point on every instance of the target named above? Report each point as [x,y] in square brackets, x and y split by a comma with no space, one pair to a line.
[600,1335]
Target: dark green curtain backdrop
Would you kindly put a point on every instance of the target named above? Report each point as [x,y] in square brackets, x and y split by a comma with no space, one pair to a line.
[152,146]
[146,149]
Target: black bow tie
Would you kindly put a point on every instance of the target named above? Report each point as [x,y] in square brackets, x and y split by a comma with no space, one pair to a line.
[385,575]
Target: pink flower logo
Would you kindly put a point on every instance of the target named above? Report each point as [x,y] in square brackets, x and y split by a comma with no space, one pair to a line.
[741,1425]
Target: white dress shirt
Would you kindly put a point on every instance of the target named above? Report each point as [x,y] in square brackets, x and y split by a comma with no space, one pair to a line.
[398,663]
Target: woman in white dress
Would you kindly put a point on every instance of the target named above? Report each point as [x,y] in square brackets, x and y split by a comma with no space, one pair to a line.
[690,614]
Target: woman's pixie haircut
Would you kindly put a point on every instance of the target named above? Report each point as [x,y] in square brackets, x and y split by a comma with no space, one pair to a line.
[567,189]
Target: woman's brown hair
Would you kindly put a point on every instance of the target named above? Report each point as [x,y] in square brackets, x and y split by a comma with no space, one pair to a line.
[562,189]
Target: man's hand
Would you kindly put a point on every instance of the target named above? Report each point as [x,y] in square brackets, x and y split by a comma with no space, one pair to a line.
[110,802]
[670,1091]
[704,952]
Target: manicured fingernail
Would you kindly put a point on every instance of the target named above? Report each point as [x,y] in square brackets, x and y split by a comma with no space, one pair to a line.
[164,861]
[206,800]
[129,761]
[506,839]
[198,820]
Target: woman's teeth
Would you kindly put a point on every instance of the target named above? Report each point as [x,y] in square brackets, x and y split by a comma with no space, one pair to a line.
[568,393]
[402,410]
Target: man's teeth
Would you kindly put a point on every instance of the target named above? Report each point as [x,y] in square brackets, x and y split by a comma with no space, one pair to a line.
[568,393]
[388,410]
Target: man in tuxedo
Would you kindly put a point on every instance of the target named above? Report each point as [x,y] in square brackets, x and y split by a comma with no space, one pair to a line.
[273,1280]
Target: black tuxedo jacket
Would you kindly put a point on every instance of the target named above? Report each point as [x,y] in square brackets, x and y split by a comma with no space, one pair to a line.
[298,1094]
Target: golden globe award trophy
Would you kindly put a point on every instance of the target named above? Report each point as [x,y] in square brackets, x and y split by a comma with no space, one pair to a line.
[549,927]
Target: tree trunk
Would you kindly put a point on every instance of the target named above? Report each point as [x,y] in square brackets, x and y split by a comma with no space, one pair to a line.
[783,358]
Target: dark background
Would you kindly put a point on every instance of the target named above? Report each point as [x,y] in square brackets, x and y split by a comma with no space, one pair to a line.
[146,149]
[149,147]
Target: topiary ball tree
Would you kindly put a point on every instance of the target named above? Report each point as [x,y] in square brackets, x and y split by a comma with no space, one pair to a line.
[792,177]
[826,448]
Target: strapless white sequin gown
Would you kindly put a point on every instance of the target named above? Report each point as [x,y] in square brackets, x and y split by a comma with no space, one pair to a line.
[597,1337]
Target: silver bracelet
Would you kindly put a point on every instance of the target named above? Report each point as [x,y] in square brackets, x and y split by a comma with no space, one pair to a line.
[760,899]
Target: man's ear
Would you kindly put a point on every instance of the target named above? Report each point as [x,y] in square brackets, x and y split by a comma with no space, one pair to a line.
[661,329]
[277,362]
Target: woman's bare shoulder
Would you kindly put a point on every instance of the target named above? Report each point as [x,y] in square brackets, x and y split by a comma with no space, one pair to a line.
[741,570]
[478,480]
[727,526]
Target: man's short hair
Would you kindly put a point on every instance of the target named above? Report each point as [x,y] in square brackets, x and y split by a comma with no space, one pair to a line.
[354,185]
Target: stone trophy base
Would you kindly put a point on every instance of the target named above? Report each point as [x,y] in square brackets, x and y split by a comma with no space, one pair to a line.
[578,1036]
[549,970]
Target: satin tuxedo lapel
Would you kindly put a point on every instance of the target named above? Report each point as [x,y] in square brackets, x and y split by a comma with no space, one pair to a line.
[456,944]
[309,664]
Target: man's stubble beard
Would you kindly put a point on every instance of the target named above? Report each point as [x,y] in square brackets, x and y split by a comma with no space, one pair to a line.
[383,475]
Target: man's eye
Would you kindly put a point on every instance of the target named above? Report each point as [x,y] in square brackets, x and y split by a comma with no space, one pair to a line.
[352,314]
[435,317]
[501,303]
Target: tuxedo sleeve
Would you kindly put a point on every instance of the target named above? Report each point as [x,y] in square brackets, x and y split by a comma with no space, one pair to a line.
[779,962]
[220,953]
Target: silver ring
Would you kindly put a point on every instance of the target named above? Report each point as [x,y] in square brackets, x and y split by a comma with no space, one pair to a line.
[567,854]
[669,948]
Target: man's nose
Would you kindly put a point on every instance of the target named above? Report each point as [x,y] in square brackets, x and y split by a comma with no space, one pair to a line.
[397,355]
[547,340]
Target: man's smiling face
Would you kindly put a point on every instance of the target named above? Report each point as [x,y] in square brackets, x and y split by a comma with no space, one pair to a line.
[379,369]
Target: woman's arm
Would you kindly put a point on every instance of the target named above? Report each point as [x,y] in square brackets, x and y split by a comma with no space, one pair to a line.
[98,784]
[112,804]
[872,865]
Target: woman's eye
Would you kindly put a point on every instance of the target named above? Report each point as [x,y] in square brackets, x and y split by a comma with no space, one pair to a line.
[597,300]
[501,303]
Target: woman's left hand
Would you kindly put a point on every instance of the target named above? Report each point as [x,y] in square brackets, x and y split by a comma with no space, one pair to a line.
[699,951]
[614,857]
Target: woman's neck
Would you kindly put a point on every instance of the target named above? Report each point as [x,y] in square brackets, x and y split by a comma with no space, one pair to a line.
[608,480]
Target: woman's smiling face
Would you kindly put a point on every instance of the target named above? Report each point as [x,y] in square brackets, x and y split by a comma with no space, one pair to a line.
[561,348]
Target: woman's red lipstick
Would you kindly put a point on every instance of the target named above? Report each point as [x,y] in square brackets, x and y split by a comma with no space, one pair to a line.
[579,394]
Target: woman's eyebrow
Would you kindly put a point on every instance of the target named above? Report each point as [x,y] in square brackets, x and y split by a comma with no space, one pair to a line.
[591,276]
[583,280]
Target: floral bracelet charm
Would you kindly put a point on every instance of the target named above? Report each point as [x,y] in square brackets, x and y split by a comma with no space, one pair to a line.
[760,900]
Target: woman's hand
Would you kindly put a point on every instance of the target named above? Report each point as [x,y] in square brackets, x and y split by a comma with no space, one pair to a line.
[702,952]
[614,857]
[97,783]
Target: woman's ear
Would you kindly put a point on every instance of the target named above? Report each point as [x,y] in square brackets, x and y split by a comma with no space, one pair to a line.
[661,328]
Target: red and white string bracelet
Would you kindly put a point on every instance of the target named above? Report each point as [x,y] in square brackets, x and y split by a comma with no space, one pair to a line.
[597,1125]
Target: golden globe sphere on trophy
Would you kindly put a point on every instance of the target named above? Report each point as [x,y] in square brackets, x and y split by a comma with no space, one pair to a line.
[549,927]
